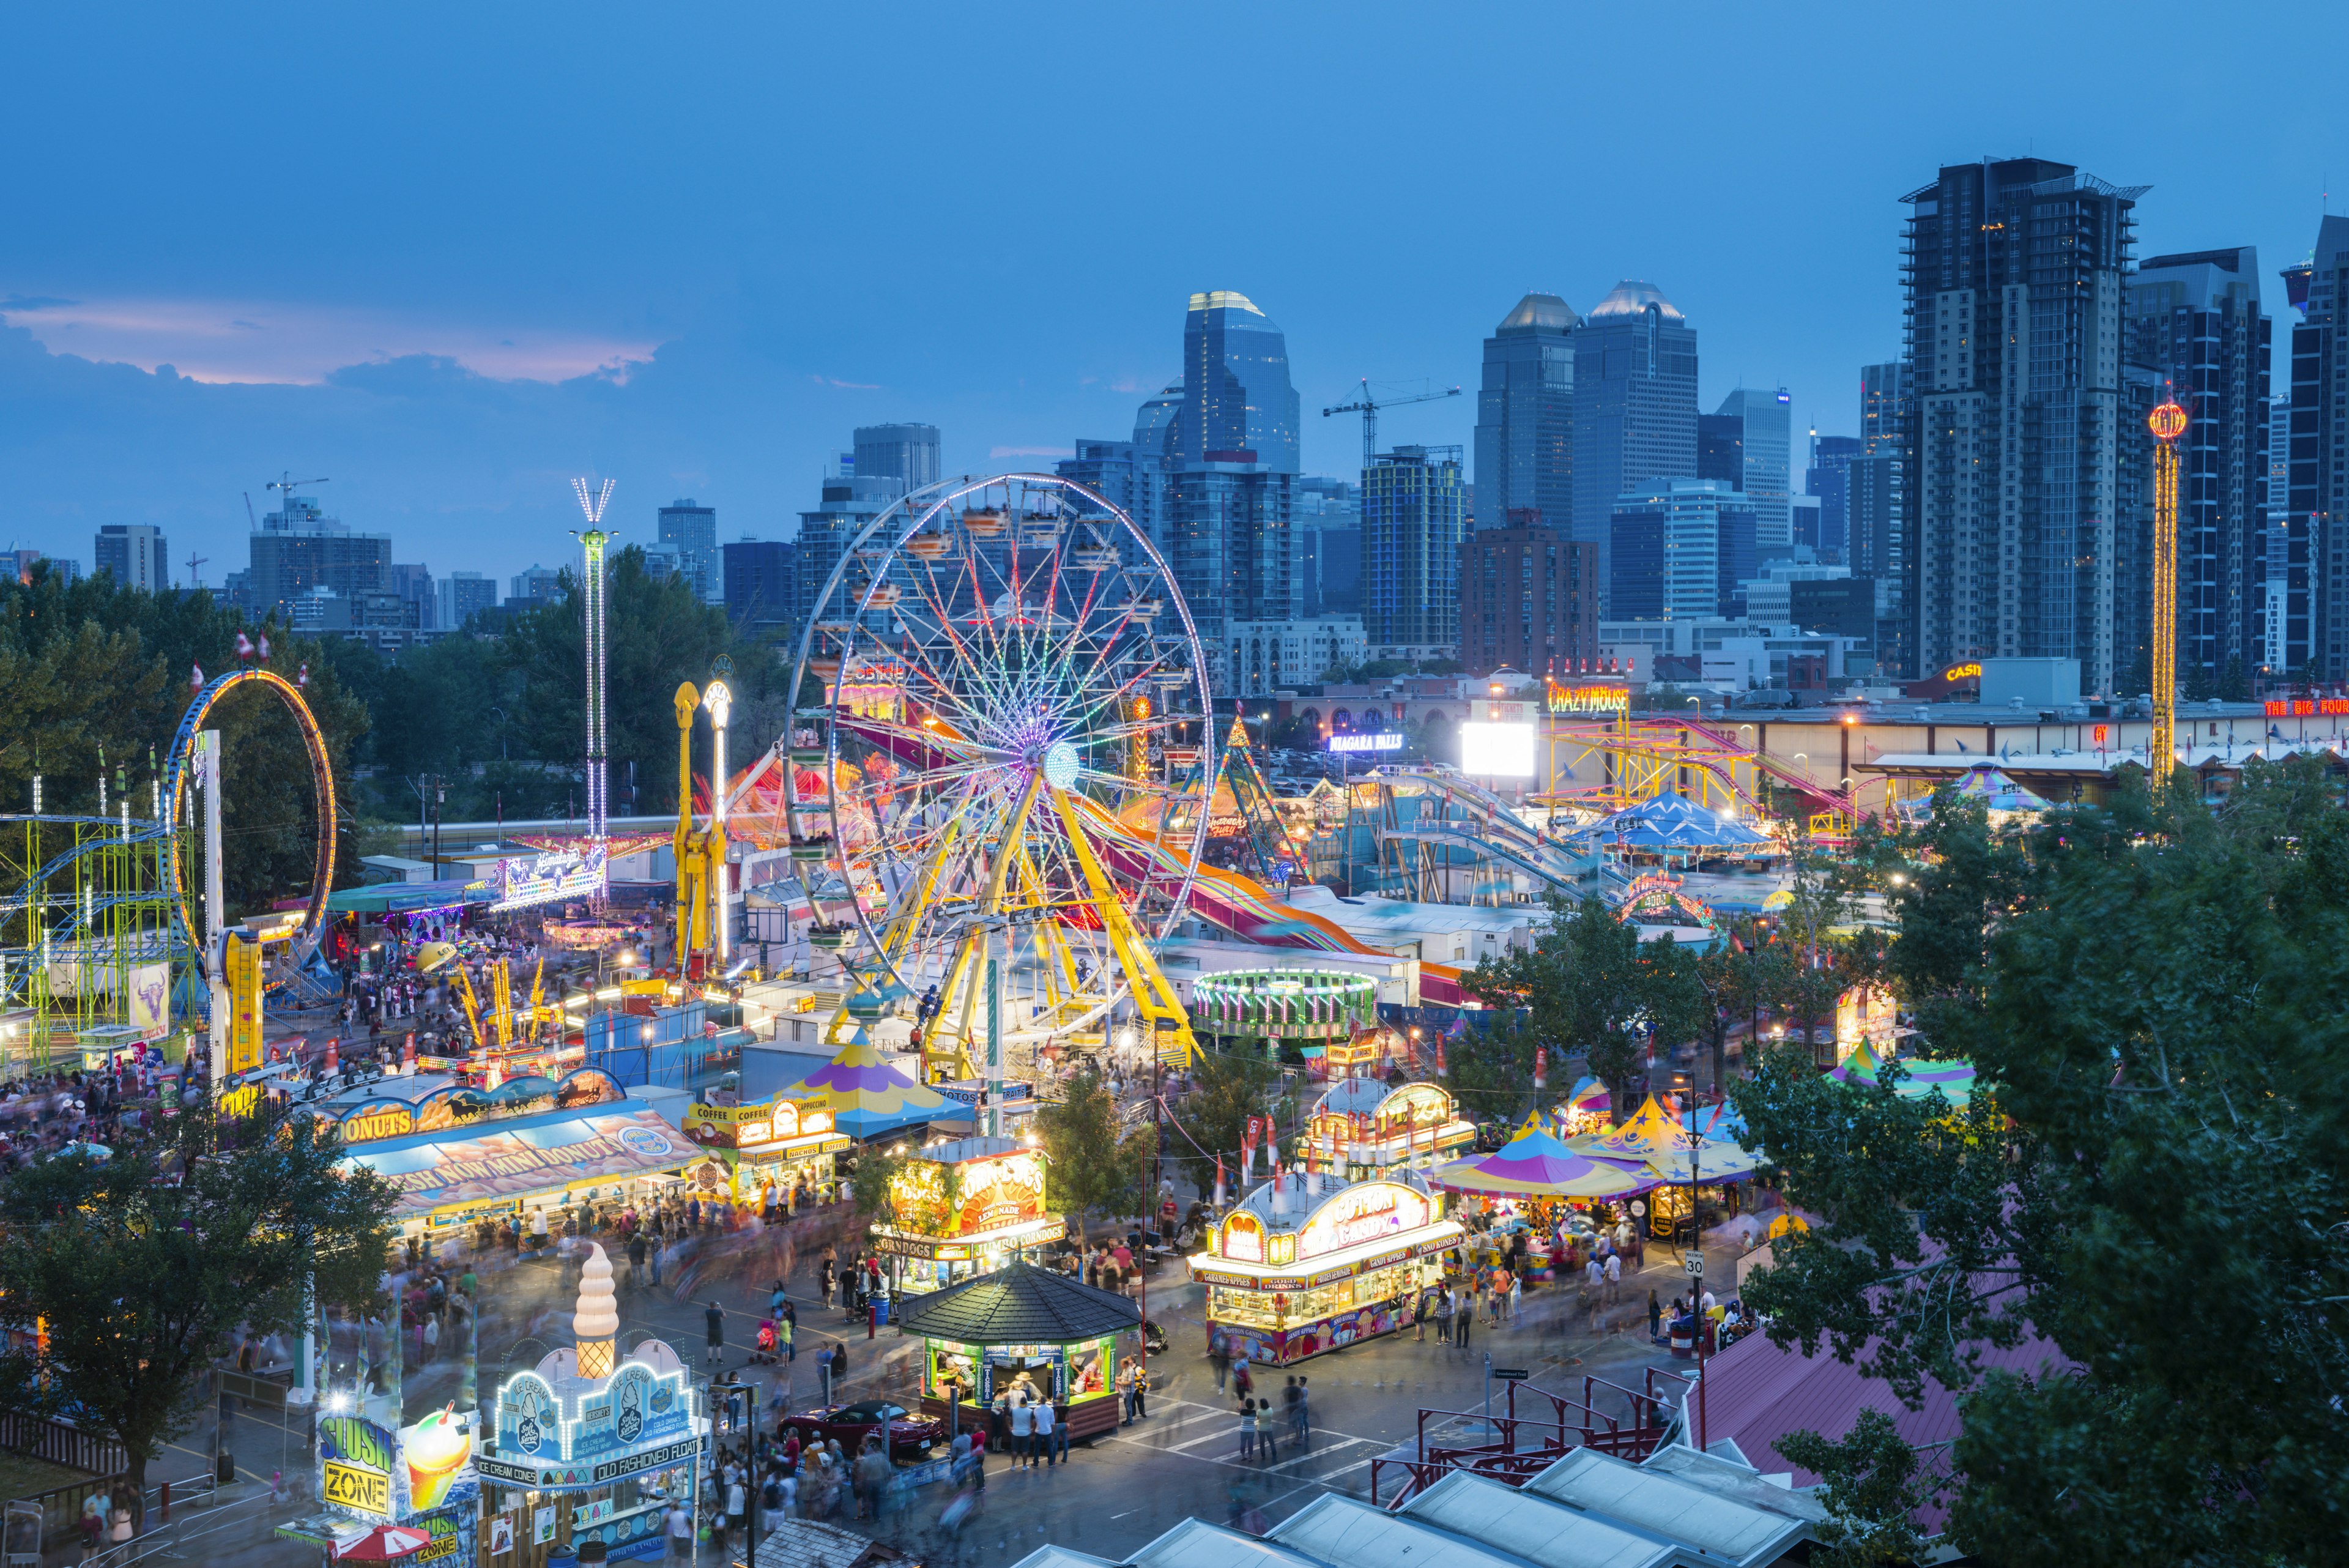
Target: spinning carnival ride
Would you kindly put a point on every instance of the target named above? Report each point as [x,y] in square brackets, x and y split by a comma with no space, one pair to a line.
[1013,686]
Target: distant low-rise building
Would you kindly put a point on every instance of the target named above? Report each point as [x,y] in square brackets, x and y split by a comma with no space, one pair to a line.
[136,554]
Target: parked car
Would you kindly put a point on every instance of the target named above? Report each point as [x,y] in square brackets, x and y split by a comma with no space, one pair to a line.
[909,1435]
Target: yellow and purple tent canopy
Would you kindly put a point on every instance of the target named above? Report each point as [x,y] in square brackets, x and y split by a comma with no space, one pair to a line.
[1652,1137]
[1589,1098]
[1535,1164]
[867,1095]
[1954,1078]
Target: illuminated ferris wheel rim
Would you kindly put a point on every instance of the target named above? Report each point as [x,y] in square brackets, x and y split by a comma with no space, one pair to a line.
[895,526]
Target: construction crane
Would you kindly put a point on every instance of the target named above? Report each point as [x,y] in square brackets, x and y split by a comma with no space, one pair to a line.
[286,482]
[196,570]
[1368,407]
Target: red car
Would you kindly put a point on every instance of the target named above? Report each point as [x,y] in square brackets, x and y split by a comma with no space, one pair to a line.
[910,1436]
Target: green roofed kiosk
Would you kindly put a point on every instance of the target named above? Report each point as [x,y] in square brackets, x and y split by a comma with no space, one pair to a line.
[978,1336]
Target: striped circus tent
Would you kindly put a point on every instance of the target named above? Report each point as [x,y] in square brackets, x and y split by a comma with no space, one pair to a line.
[1534,1164]
[867,1095]
[1954,1078]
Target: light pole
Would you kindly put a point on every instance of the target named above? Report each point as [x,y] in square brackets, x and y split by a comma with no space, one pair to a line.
[721,702]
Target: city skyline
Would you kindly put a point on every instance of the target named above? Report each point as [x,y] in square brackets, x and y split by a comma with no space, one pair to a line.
[434,337]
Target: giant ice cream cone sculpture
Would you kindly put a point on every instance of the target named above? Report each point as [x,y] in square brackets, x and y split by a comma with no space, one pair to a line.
[596,1322]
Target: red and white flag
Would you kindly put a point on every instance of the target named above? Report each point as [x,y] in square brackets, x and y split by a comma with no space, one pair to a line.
[1219,1181]
[243,646]
[265,645]
[195,677]
[1541,1068]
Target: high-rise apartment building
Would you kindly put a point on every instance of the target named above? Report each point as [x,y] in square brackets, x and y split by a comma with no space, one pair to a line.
[906,453]
[1131,476]
[462,595]
[761,579]
[1525,413]
[1634,406]
[1528,597]
[1414,513]
[534,586]
[2014,271]
[1328,522]
[1765,451]
[1829,477]
[2316,482]
[2196,322]
[2288,572]
[1682,549]
[693,529]
[411,581]
[299,547]
[847,502]
[1720,449]
[136,554]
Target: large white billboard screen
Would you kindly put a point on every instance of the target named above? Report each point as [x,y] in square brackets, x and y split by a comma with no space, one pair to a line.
[1497,751]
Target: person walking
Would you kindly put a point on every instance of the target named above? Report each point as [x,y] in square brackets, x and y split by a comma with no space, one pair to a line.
[1248,1428]
[1023,1430]
[636,1256]
[677,1527]
[1288,1407]
[1219,1356]
[715,1316]
[1614,1278]
[1304,1408]
[1464,1316]
[1443,1316]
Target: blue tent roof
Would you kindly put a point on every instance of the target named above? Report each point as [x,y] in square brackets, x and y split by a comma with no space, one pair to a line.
[1671,822]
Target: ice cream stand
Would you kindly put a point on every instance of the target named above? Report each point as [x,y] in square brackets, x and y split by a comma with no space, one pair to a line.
[591,1445]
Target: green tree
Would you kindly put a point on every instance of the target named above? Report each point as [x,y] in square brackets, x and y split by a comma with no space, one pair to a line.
[1227,1088]
[142,1269]
[1587,990]
[1091,1166]
[1871,1489]
[2152,1176]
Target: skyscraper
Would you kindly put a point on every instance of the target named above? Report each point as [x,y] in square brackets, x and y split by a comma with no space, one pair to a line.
[1878,542]
[906,453]
[1525,413]
[1132,474]
[1681,548]
[1231,466]
[2287,575]
[1413,515]
[693,530]
[1766,451]
[1634,406]
[462,595]
[136,554]
[1528,597]
[2014,273]
[761,582]
[1720,449]
[846,504]
[1829,477]
[2195,320]
[2317,480]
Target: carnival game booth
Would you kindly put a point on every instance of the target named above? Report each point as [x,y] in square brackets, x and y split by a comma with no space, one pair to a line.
[1532,1181]
[1691,1171]
[742,1148]
[978,1336]
[590,1445]
[965,1208]
[462,1157]
[1305,1264]
[1331,1016]
[1372,1128]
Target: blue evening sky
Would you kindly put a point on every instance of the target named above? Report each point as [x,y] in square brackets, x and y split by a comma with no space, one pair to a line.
[451,255]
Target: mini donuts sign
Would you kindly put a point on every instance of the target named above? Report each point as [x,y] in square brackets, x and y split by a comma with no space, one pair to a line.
[1359,1214]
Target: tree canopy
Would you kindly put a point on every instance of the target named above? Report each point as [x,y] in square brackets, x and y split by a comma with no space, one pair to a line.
[2153,1175]
[141,1268]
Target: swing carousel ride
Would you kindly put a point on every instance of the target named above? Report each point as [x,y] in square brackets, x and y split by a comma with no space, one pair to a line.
[1002,787]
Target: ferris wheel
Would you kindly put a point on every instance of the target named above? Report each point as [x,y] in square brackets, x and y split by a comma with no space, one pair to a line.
[1016,707]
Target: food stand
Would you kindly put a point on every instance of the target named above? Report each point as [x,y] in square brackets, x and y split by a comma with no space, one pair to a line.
[1688,1170]
[591,1446]
[418,1487]
[1307,1265]
[780,1140]
[964,1208]
[979,1335]
[462,1156]
[1372,1127]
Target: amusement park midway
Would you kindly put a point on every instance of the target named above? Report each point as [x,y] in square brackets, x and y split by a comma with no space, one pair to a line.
[1014,1108]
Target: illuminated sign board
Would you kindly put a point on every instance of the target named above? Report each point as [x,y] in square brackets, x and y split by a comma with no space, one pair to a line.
[2305,708]
[1589,698]
[243,966]
[1497,751]
[355,1464]
[525,879]
[1378,742]
[1359,1214]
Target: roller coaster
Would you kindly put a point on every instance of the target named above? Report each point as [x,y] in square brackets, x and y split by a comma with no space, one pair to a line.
[98,925]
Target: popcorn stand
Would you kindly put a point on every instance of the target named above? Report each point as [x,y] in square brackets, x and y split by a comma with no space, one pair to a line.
[1306,1264]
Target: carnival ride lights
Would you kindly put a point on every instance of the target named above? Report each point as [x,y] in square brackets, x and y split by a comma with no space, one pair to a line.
[1043,664]
[2168,422]
[592,541]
